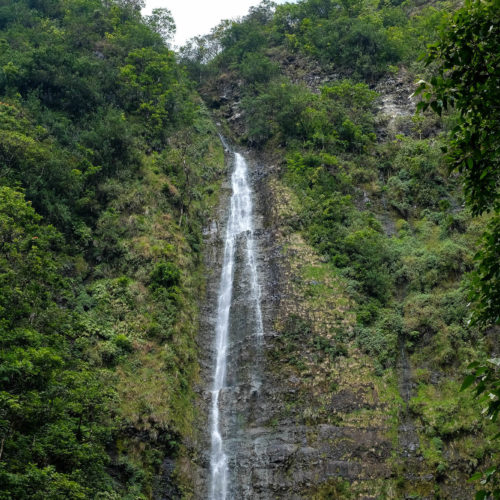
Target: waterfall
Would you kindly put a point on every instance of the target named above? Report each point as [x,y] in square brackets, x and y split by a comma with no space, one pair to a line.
[239,232]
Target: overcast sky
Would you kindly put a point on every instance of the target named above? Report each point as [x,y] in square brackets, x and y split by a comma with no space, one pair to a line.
[198,17]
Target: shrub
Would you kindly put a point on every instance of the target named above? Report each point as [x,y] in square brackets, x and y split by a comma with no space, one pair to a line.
[165,275]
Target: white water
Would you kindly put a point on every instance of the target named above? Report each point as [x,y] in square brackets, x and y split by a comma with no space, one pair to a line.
[239,228]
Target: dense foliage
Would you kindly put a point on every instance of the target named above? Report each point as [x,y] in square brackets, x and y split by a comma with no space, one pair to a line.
[356,39]
[467,79]
[108,165]
[468,74]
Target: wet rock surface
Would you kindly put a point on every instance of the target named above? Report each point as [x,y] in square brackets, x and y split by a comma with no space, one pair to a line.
[295,419]
[276,447]
[396,105]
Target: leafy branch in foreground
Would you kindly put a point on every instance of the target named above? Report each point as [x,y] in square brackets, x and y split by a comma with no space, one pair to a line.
[468,71]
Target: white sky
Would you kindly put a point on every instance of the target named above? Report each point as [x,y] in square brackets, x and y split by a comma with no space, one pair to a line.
[198,17]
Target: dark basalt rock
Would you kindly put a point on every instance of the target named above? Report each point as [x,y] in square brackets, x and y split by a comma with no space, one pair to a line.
[272,455]
[165,487]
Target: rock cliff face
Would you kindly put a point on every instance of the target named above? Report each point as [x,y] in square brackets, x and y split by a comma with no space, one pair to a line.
[289,433]
[241,405]
[305,413]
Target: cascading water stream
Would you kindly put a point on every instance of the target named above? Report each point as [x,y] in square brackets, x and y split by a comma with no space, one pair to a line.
[239,228]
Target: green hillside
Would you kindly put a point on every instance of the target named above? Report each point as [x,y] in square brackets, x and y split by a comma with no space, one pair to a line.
[111,165]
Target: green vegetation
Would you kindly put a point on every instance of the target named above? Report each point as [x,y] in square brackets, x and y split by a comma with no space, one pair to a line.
[376,202]
[335,489]
[109,166]
[468,72]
